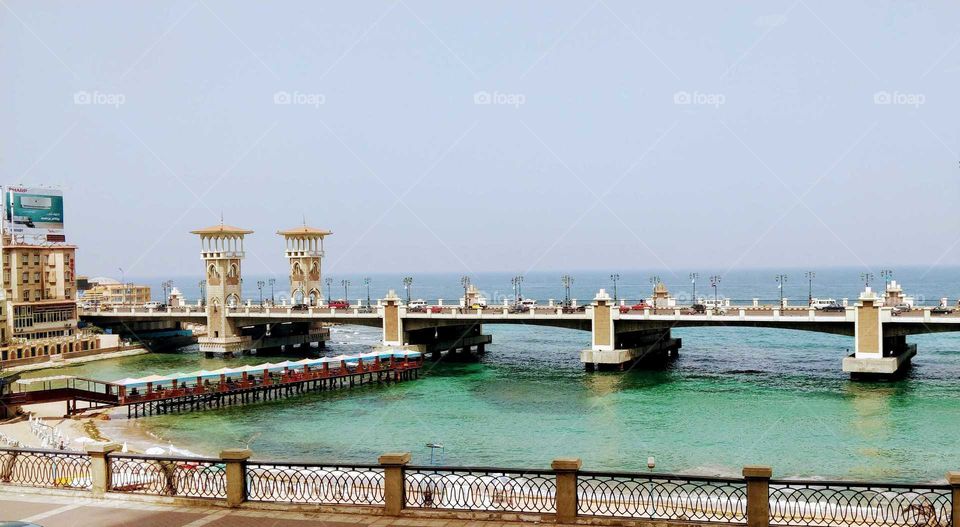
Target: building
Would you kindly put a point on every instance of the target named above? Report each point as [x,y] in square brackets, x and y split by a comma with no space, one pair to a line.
[109,292]
[39,306]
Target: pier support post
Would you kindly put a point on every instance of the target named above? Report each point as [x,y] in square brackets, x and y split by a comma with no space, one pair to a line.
[393,468]
[758,495]
[392,313]
[566,469]
[236,461]
[953,478]
[100,467]
[876,353]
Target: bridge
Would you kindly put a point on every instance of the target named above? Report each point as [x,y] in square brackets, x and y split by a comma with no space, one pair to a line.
[620,336]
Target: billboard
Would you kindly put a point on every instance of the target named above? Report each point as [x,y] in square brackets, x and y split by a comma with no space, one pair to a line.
[33,210]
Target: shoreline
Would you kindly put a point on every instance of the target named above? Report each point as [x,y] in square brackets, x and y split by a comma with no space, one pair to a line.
[50,365]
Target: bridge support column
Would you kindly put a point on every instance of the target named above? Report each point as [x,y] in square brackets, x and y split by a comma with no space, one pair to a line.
[392,314]
[611,350]
[877,354]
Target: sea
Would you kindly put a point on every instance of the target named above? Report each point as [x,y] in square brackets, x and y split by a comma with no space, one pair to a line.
[734,397]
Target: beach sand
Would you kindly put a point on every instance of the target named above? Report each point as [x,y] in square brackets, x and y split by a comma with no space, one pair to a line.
[110,425]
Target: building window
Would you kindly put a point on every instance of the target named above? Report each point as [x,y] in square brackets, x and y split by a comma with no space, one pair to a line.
[26,296]
[36,278]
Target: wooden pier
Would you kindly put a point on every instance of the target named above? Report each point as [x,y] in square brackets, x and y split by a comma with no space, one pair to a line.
[267,387]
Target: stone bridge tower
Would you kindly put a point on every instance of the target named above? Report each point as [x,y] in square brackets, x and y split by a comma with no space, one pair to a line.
[221,248]
[304,252]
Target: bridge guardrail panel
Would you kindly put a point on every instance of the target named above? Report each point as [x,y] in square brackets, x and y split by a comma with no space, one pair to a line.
[328,484]
[45,468]
[480,488]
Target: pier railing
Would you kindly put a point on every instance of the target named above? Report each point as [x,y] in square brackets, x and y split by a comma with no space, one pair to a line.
[561,494]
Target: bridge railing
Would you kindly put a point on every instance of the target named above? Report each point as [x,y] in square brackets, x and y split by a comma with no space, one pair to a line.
[561,494]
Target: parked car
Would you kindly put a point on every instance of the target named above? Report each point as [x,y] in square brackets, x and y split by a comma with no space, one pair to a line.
[435,309]
[339,304]
[154,305]
[418,305]
[833,307]
[901,308]
[942,310]
[636,307]
[299,307]
[697,309]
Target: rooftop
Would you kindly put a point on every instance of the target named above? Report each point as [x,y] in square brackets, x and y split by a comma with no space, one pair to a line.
[304,230]
[222,229]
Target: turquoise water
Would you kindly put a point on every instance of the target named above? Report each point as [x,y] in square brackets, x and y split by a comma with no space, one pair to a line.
[734,397]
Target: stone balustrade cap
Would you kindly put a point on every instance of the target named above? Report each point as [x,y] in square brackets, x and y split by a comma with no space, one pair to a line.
[395,458]
[953,478]
[757,471]
[101,448]
[236,454]
[566,463]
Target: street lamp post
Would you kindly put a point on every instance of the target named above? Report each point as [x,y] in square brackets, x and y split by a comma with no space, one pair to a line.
[566,280]
[781,280]
[271,282]
[866,277]
[693,280]
[366,282]
[203,297]
[810,276]
[260,284]
[465,282]
[329,282]
[167,285]
[886,274]
[615,278]
[123,286]
[345,283]
[714,283]
[407,282]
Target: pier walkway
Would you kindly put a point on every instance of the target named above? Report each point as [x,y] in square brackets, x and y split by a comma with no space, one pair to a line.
[200,390]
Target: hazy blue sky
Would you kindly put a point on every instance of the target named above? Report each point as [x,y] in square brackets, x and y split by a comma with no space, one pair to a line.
[617,134]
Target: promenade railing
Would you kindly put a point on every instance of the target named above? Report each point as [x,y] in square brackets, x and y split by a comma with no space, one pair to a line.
[563,493]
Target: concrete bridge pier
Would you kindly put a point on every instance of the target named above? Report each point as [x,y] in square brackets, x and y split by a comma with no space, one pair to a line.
[457,340]
[617,347]
[878,353]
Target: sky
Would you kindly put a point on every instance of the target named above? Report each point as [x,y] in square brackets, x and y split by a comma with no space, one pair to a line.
[491,136]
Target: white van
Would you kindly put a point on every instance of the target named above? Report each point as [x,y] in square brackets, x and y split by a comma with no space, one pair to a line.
[417,304]
[820,303]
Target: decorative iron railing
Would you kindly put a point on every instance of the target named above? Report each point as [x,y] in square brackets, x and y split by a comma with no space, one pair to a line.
[831,503]
[313,483]
[662,496]
[168,476]
[44,468]
[477,488]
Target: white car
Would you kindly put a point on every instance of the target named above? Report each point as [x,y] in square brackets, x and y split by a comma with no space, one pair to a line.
[417,304]
[153,305]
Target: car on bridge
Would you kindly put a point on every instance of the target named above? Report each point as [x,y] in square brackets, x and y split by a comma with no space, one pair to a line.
[417,306]
[636,307]
[435,309]
[339,304]
[941,310]
[901,308]
[832,307]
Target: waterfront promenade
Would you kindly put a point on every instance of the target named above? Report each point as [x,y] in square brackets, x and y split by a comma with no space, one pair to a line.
[392,491]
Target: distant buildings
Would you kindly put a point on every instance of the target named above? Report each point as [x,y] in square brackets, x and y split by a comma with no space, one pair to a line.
[103,291]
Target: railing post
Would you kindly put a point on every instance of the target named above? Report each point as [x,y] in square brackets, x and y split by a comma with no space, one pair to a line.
[953,478]
[566,469]
[758,495]
[236,461]
[100,466]
[393,468]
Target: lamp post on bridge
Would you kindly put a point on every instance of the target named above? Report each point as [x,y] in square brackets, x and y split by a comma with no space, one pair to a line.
[123,285]
[271,282]
[260,284]
[781,280]
[366,282]
[566,280]
[203,297]
[329,282]
[465,282]
[886,274]
[693,280]
[166,285]
[407,282]
[810,276]
[714,283]
[517,282]
[615,278]
[345,283]
[866,277]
